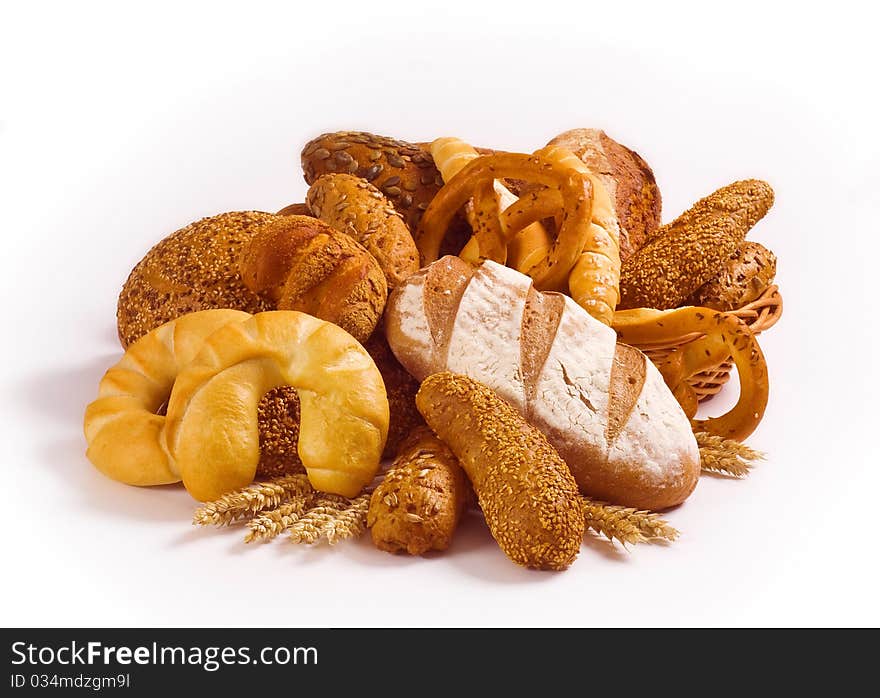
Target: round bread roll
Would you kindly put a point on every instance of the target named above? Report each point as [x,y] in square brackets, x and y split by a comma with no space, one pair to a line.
[195,268]
[745,276]
[628,179]
[302,263]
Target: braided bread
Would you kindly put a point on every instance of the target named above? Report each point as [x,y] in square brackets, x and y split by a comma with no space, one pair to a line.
[211,429]
[123,425]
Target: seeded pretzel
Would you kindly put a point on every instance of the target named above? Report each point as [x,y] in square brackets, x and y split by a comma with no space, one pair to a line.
[563,190]
[526,247]
[723,335]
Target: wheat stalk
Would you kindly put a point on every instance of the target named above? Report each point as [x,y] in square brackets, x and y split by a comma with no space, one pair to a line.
[271,523]
[726,456]
[250,501]
[625,524]
[332,518]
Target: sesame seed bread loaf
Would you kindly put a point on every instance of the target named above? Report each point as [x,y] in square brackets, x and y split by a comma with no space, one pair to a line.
[693,249]
[628,179]
[195,268]
[744,277]
[602,405]
[526,491]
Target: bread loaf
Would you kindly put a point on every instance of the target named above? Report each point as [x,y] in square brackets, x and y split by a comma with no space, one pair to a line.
[526,491]
[301,263]
[195,268]
[416,508]
[693,249]
[603,405]
[627,178]
[744,277]
[355,207]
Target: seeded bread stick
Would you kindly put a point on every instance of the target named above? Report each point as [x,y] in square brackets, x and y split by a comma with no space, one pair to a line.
[526,491]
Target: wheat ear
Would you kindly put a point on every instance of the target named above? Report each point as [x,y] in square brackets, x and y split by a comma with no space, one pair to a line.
[624,524]
[726,456]
[251,500]
[333,519]
[269,524]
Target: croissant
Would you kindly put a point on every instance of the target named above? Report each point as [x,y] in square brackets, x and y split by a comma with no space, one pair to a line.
[123,425]
[211,428]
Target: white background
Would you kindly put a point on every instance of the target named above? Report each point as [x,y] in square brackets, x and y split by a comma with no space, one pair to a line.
[120,123]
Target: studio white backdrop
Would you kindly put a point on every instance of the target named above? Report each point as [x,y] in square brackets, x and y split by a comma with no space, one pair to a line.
[120,123]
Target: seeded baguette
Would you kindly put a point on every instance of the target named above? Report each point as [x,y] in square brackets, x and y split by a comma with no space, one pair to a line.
[417,507]
[745,276]
[694,248]
[355,207]
[526,491]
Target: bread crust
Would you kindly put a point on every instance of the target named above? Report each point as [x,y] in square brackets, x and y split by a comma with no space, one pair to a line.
[690,251]
[626,176]
[355,207]
[401,389]
[301,263]
[744,277]
[629,444]
[402,171]
[418,505]
[194,268]
[526,491]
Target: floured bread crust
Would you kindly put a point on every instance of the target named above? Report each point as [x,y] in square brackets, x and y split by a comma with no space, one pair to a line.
[603,406]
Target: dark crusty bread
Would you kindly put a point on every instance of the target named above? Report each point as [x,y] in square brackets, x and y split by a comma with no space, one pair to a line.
[402,171]
[744,277]
[195,268]
[301,263]
[628,179]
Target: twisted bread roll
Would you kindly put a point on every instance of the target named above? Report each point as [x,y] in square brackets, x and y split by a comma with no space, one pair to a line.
[301,263]
[211,429]
[123,425]
[602,405]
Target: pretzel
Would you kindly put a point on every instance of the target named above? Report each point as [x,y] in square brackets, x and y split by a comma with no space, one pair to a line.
[594,282]
[563,189]
[717,336]
[211,430]
[123,426]
[524,248]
